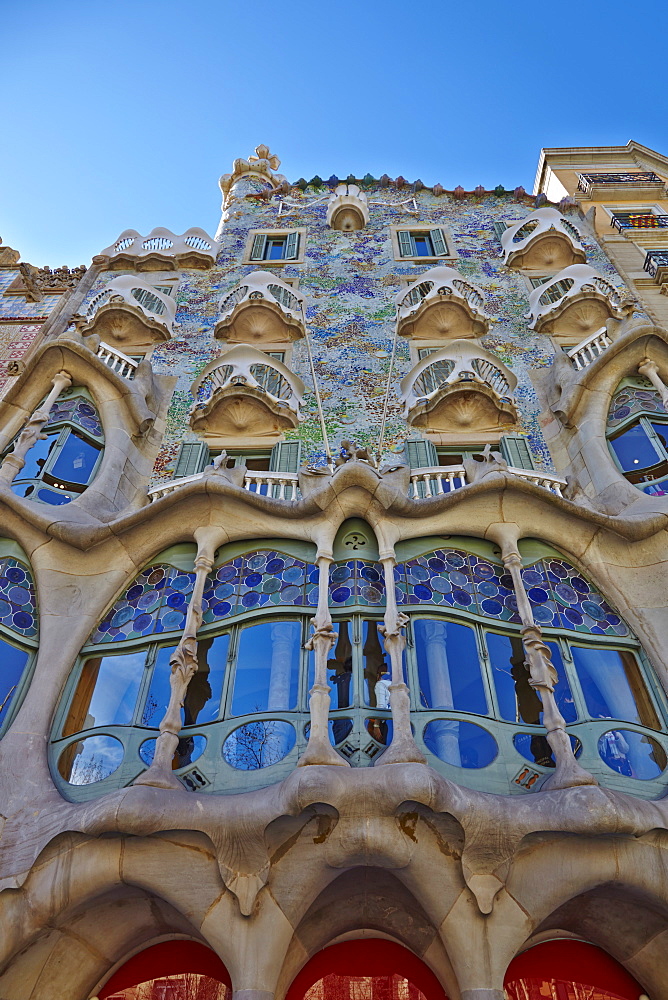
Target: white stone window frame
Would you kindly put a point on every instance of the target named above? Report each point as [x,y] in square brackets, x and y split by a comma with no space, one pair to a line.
[529,278]
[421,227]
[262,263]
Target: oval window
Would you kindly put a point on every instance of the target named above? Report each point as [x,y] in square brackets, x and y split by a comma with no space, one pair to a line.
[535,748]
[462,744]
[189,748]
[632,754]
[90,760]
[259,744]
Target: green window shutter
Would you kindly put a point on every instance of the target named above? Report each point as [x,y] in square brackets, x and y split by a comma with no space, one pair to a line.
[421,454]
[438,242]
[515,450]
[286,456]
[499,229]
[292,246]
[405,243]
[192,458]
[257,252]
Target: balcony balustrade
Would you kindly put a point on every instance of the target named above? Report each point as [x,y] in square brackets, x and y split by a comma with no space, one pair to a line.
[443,305]
[645,180]
[440,479]
[261,310]
[624,221]
[246,392]
[128,312]
[460,388]
[161,250]
[589,349]
[576,302]
[656,264]
[279,485]
[544,240]
[117,361]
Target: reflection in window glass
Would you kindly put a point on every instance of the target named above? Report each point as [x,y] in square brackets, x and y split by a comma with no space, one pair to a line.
[13,662]
[448,666]
[612,686]
[339,667]
[90,760]
[632,754]
[202,701]
[259,744]
[188,749]
[518,701]
[634,450]
[76,460]
[106,693]
[460,743]
[36,457]
[267,674]
[376,667]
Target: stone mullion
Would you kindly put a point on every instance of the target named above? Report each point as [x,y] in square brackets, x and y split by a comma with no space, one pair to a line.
[32,430]
[650,370]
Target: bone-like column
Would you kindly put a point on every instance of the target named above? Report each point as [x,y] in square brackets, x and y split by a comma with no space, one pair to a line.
[319,750]
[650,370]
[403,748]
[32,431]
[543,677]
[183,663]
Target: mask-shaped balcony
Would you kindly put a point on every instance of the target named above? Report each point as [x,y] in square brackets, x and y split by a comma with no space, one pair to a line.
[161,250]
[460,389]
[574,304]
[128,312]
[244,392]
[544,240]
[442,305]
[347,208]
[261,310]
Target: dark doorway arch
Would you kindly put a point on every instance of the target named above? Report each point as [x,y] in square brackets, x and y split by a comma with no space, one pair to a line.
[170,958]
[395,973]
[556,969]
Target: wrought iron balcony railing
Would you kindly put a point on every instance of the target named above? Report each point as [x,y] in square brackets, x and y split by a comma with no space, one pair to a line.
[638,220]
[643,178]
[656,264]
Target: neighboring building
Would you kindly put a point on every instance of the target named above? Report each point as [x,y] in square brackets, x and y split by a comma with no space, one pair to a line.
[339,670]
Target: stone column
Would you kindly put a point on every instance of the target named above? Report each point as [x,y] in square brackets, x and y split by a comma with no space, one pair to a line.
[319,749]
[543,677]
[32,431]
[403,748]
[447,731]
[183,662]
[650,370]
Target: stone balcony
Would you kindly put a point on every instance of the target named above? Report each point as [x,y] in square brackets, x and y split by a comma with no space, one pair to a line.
[575,303]
[347,208]
[442,305]
[460,389]
[544,240]
[161,250]
[245,393]
[128,312]
[261,310]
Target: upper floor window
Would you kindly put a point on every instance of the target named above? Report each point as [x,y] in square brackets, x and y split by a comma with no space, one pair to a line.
[61,465]
[638,218]
[420,243]
[638,436]
[18,629]
[277,246]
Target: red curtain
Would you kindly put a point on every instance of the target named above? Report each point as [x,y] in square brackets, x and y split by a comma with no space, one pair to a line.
[171,958]
[569,970]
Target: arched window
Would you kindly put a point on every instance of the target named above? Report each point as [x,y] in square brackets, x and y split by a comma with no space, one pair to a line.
[172,970]
[559,969]
[638,435]
[61,465]
[19,626]
[372,967]
[474,710]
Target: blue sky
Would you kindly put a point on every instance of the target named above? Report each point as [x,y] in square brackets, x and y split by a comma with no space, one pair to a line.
[124,114]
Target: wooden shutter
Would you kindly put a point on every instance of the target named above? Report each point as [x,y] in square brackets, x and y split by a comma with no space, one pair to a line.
[499,229]
[259,242]
[438,242]
[292,246]
[405,243]
[286,456]
[515,450]
[421,454]
[192,458]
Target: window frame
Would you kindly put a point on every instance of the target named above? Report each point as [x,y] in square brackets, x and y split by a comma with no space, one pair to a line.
[428,229]
[260,263]
[643,418]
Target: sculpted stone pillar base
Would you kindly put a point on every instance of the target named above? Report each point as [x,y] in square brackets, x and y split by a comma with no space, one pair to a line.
[402,749]
[483,994]
[568,772]
[319,749]
[160,773]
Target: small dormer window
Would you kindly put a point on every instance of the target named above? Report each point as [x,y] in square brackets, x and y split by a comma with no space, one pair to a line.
[421,243]
[275,246]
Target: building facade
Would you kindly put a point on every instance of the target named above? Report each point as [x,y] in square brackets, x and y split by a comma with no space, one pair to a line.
[332,609]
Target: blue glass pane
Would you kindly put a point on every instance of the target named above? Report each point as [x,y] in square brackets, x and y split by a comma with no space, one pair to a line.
[202,701]
[36,458]
[518,701]
[448,666]
[339,667]
[188,749]
[12,665]
[267,670]
[380,730]
[377,667]
[106,693]
[275,250]
[90,760]
[634,450]
[535,748]
[633,754]
[462,744]
[76,460]
[611,684]
[338,730]
[259,744]
[661,431]
[51,497]
[159,690]
[422,245]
